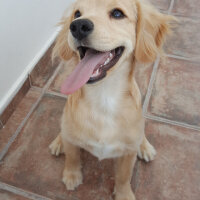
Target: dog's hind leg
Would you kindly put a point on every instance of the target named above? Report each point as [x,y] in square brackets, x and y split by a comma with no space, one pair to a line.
[146,151]
[56,146]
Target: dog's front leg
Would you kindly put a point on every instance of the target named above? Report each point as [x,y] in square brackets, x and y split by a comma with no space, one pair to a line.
[123,173]
[72,176]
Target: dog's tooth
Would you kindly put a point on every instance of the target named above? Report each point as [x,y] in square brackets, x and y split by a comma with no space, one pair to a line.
[107,61]
[111,55]
[97,72]
[94,74]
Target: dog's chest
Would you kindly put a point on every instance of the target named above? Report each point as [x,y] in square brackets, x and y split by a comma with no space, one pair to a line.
[108,103]
[102,132]
[107,141]
[106,100]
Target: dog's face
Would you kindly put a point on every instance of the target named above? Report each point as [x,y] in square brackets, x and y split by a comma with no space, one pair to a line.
[109,25]
[104,33]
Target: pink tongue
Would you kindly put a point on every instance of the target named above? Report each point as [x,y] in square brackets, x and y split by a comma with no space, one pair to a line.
[83,71]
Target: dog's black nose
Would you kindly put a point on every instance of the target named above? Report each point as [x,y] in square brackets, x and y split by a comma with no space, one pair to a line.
[81,28]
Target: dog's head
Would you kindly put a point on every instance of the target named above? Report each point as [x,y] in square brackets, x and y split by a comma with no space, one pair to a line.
[105,33]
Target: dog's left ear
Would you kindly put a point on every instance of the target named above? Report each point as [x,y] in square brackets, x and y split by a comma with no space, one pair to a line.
[152,29]
[61,48]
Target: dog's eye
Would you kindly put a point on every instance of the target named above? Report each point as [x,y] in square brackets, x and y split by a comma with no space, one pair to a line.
[77,14]
[117,14]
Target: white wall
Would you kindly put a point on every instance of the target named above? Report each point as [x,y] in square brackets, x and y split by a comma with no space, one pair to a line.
[27,27]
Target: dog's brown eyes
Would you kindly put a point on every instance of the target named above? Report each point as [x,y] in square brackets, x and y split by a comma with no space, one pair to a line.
[117,14]
[77,14]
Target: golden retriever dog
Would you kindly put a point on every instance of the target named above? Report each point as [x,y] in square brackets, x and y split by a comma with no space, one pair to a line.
[105,40]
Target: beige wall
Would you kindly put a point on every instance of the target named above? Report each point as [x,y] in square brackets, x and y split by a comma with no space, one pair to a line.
[27,27]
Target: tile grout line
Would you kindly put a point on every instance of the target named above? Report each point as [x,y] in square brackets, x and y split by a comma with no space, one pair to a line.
[21,192]
[56,94]
[38,89]
[179,15]
[167,121]
[182,58]
[170,7]
[14,136]
[150,87]
[29,78]
[1,124]
[178,57]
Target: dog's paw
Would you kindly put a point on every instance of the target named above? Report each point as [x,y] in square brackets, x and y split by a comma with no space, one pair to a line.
[72,179]
[146,151]
[127,195]
[56,147]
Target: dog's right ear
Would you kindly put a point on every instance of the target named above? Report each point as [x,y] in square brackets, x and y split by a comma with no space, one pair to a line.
[152,29]
[61,48]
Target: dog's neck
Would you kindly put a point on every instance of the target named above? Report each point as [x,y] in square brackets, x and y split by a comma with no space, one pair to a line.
[108,93]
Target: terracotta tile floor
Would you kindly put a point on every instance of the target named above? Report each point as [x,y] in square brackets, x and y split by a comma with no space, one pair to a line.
[171,103]
[10,196]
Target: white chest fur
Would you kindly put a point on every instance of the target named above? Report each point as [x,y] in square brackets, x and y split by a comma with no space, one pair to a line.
[107,95]
[105,104]
[105,150]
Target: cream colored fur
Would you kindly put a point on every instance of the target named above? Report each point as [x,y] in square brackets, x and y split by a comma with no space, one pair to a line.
[105,118]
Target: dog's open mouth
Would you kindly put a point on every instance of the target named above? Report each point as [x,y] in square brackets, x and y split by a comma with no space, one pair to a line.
[92,68]
[108,61]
